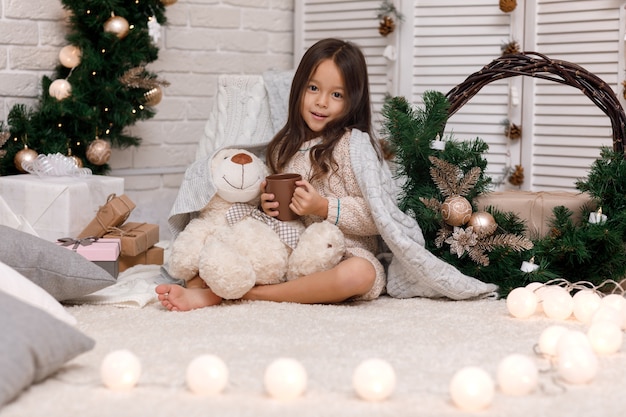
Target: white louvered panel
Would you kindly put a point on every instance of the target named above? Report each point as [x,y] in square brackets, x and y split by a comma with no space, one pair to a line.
[452,40]
[568,127]
[354,21]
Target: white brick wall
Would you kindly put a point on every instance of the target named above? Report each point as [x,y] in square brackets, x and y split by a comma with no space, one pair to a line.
[203,38]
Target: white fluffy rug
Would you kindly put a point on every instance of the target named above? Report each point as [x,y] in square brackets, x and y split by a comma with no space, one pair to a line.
[426,341]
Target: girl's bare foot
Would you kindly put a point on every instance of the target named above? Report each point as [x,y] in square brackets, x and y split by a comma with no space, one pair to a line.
[177,298]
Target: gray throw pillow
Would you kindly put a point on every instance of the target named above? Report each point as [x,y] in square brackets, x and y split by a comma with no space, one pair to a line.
[63,273]
[33,345]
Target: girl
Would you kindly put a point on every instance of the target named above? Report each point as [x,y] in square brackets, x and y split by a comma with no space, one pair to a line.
[329,97]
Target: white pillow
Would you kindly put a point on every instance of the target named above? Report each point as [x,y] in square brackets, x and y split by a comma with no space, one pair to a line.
[20,287]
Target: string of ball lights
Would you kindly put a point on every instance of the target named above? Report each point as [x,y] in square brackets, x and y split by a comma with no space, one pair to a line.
[566,354]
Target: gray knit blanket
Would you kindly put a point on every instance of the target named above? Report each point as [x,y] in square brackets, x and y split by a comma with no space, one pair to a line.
[413,270]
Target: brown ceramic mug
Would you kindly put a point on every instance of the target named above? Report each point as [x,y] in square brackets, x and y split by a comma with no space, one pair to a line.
[283,187]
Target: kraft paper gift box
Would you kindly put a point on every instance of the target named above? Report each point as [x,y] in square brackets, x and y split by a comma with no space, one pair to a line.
[135,237]
[153,256]
[103,252]
[536,208]
[112,214]
[54,207]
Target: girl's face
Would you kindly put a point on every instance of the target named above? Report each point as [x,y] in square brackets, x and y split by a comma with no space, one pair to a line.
[324,98]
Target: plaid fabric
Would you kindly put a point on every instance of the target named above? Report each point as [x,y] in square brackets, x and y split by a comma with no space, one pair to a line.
[288,234]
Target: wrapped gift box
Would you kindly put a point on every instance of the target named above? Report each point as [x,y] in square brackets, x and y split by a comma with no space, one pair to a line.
[535,208]
[55,207]
[135,237]
[113,213]
[153,256]
[103,252]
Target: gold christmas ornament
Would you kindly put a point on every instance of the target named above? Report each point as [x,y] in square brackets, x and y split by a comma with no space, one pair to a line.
[508,6]
[60,89]
[118,26]
[168,2]
[23,156]
[482,223]
[456,210]
[153,96]
[77,160]
[99,152]
[70,56]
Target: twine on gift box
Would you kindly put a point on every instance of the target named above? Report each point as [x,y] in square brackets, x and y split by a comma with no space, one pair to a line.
[130,233]
[86,241]
[110,198]
[116,231]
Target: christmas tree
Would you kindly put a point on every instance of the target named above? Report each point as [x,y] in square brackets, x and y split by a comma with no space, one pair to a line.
[442,177]
[99,87]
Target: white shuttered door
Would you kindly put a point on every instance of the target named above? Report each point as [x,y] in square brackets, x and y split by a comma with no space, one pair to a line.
[562,130]
[451,40]
[567,128]
[442,42]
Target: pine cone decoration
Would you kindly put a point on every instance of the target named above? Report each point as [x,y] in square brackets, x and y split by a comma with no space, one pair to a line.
[555,232]
[510,48]
[508,5]
[387,25]
[513,131]
[517,177]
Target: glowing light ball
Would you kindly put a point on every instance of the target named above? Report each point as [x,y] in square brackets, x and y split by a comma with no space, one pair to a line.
[207,375]
[549,338]
[70,56]
[517,375]
[605,337]
[285,379]
[607,313]
[618,302]
[557,303]
[120,370]
[521,302]
[586,302]
[60,89]
[472,389]
[537,288]
[615,300]
[572,338]
[374,380]
[577,365]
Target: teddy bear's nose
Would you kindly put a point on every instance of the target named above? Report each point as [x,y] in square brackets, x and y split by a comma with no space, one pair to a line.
[241,159]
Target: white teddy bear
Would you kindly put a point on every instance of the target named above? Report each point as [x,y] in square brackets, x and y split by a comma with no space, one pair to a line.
[234,246]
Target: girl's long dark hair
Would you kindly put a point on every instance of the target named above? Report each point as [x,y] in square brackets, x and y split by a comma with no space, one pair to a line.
[357,113]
